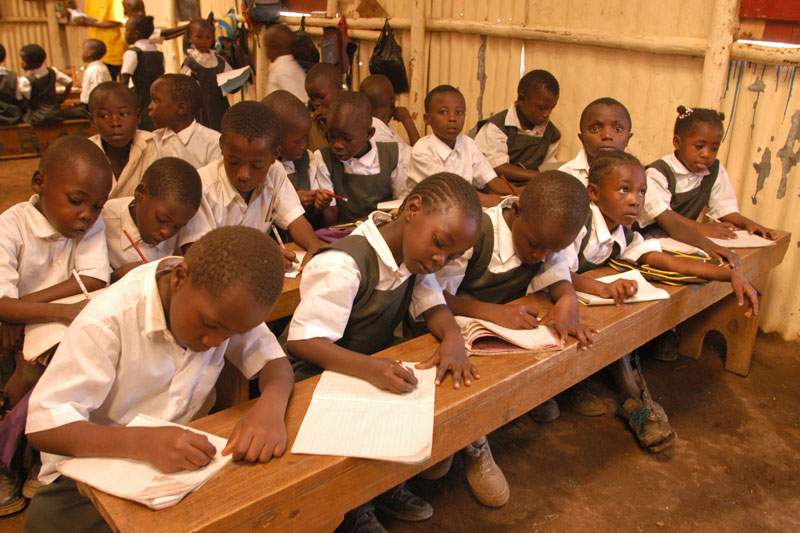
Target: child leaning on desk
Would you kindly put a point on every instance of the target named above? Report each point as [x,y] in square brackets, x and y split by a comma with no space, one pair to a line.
[154,343]
[356,291]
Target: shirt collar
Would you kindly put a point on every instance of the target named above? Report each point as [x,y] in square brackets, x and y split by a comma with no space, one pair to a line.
[229,194]
[367,159]
[601,232]
[126,221]
[39,72]
[502,233]
[680,169]
[373,235]
[38,223]
[444,151]
[95,63]
[185,135]
[512,119]
[581,162]
[155,320]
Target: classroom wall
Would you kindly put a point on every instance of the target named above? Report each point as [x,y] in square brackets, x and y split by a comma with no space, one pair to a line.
[22,23]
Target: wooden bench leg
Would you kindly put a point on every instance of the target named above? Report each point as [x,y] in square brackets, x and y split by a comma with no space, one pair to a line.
[728,319]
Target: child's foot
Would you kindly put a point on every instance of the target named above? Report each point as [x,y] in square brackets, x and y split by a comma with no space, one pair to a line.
[583,401]
[664,347]
[546,412]
[32,481]
[362,519]
[649,422]
[485,478]
[403,504]
[11,499]
[437,471]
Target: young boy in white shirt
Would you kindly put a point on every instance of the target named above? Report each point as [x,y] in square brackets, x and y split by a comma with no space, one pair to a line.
[175,100]
[380,92]
[155,343]
[284,71]
[96,72]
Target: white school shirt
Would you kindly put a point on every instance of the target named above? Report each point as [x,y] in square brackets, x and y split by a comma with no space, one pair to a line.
[129,58]
[504,258]
[206,60]
[386,134]
[722,201]
[118,359]
[316,180]
[120,250]
[286,73]
[578,167]
[95,74]
[222,205]
[142,154]
[430,155]
[34,256]
[24,84]
[493,141]
[330,283]
[195,144]
[367,164]
[601,243]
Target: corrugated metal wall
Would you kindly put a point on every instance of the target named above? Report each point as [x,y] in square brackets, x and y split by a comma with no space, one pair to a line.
[23,23]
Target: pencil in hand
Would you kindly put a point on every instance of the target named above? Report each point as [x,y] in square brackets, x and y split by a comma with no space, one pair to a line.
[138,250]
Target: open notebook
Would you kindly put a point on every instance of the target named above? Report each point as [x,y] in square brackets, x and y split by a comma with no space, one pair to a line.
[140,481]
[482,337]
[744,240]
[294,269]
[646,291]
[351,417]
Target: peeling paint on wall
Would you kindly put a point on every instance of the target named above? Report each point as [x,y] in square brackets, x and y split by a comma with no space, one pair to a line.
[788,156]
[762,170]
[481,76]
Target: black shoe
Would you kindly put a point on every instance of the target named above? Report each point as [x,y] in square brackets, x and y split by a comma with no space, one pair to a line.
[362,519]
[403,504]
[11,499]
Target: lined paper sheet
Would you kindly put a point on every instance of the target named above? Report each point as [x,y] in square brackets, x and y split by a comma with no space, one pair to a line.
[140,481]
[744,240]
[294,269]
[351,417]
[646,292]
[668,243]
[481,337]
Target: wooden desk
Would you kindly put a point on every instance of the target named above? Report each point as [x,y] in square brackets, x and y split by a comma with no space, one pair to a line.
[290,295]
[311,493]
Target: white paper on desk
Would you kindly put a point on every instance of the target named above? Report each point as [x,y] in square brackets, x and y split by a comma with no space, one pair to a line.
[668,243]
[743,240]
[390,204]
[351,417]
[140,481]
[41,337]
[233,79]
[294,269]
[646,291]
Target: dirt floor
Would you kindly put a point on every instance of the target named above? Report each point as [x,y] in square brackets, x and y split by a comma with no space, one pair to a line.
[15,180]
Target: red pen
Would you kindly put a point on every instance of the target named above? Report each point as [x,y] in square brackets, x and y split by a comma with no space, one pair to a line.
[338,197]
[128,235]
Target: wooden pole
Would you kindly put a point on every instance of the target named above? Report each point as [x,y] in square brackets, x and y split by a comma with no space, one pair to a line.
[724,18]
[173,45]
[417,65]
[765,55]
[58,49]
[262,65]
[332,8]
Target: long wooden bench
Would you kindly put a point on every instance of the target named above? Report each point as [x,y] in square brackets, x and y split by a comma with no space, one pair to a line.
[25,140]
[311,493]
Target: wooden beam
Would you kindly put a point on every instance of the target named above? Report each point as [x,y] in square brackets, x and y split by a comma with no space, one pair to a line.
[765,54]
[332,8]
[722,28]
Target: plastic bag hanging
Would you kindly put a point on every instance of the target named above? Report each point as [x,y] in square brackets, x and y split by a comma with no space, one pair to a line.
[387,59]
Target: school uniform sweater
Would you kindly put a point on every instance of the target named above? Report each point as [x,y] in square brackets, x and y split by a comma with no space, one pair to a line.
[503,139]
[10,104]
[204,68]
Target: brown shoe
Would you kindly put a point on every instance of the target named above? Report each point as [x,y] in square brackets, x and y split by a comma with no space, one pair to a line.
[546,412]
[437,471]
[583,401]
[649,422]
[11,499]
[485,478]
[32,481]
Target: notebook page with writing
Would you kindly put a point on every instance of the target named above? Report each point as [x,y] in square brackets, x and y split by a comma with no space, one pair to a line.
[351,417]
[743,240]
[646,291]
[479,337]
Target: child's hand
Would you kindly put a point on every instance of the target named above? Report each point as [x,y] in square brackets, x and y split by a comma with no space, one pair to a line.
[515,316]
[720,254]
[11,337]
[451,356]
[390,375]
[564,317]
[764,231]
[172,449]
[70,311]
[401,113]
[718,230]
[322,199]
[742,288]
[289,257]
[259,436]
[306,198]
[619,290]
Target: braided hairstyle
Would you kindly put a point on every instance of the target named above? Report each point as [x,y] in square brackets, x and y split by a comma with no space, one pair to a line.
[444,191]
[688,117]
[606,162]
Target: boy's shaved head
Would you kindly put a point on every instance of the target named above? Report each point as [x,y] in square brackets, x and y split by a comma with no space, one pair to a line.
[133,7]
[538,80]
[353,105]
[69,151]
[379,90]
[111,87]
[97,47]
[605,101]
[280,40]
[324,72]
[185,89]
[173,178]
[252,120]
[290,110]
[556,197]
[241,256]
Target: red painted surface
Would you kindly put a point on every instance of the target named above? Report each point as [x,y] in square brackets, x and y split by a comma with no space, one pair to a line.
[785,10]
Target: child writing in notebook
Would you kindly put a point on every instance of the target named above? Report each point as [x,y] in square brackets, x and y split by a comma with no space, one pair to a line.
[449,150]
[518,140]
[682,184]
[175,100]
[144,227]
[380,92]
[142,63]
[203,64]
[114,112]
[154,343]
[247,186]
[96,72]
[355,291]
[617,188]
[323,83]
[41,242]
[10,101]
[363,173]
[38,87]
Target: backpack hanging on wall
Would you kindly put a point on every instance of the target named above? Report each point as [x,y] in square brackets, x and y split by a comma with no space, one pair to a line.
[233,42]
[258,12]
[387,59]
[304,50]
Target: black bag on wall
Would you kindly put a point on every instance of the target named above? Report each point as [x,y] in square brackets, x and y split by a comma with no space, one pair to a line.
[387,59]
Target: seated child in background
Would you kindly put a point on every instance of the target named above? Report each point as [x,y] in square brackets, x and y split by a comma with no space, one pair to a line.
[362,171]
[175,100]
[38,87]
[203,64]
[682,184]
[357,290]
[114,112]
[285,73]
[41,242]
[448,150]
[141,63]
[96,73]
[10,101]
[380,92]
[517,141]
[521,251]
[296,159]
[247,186]
[154,343]
[323,83]
[617,188]
[165,200]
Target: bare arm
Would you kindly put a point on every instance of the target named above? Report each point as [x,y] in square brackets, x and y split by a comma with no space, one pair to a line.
[516,316]
[678,230]
[34,307]
[737,219]
[451,355]
[516,173]
[402,115]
